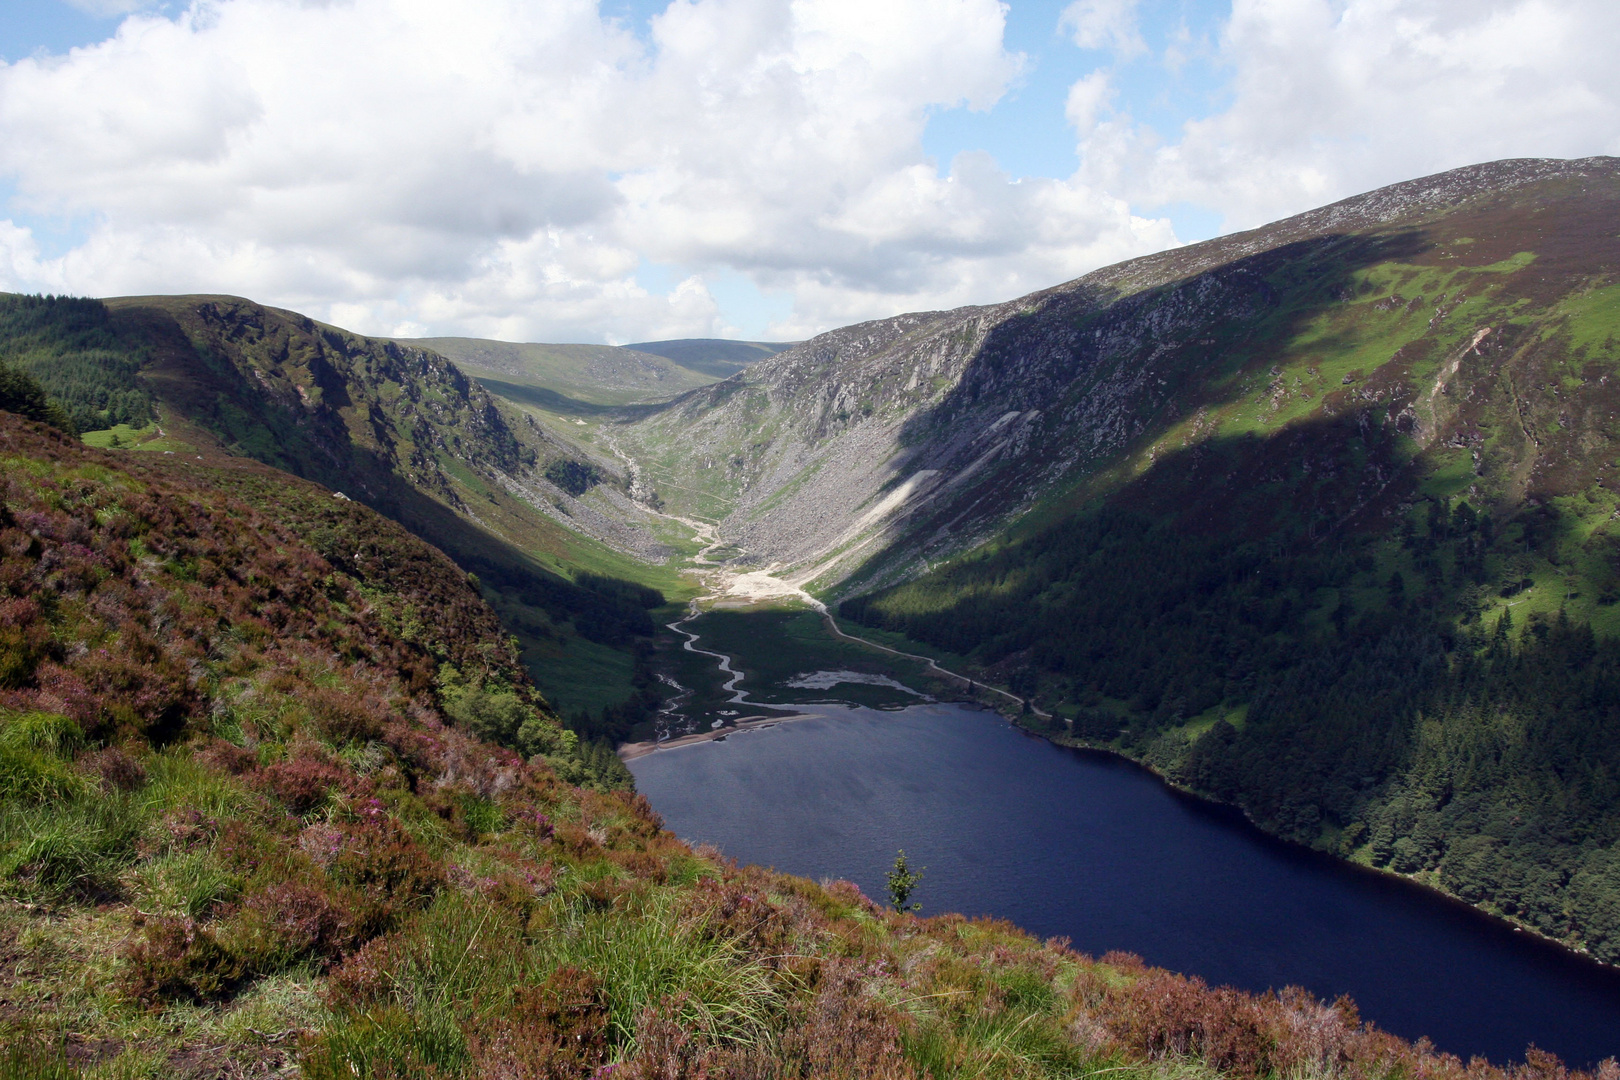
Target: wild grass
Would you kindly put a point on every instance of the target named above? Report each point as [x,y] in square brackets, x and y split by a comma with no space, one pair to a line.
[56,848]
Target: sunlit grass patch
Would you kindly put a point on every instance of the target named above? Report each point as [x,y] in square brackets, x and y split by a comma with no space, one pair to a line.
[120,436]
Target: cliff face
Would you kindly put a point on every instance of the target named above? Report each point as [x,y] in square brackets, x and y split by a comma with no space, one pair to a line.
[873,450]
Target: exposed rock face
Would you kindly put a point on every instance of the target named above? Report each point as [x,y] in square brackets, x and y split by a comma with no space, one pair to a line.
[388,421]
[879,447]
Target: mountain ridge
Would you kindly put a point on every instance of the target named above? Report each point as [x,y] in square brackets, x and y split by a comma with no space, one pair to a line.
[952,352]
[1318,519]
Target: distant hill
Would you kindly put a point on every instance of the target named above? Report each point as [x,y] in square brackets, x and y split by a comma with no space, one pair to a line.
[719,357]
[595,374]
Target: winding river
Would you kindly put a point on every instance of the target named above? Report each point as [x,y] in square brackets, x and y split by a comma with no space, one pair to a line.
[1086,846]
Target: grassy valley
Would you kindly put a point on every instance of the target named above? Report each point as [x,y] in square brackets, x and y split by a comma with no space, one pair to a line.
[718,357]
[581,374]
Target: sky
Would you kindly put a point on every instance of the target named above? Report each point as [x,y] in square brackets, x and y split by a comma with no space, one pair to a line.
[631,170]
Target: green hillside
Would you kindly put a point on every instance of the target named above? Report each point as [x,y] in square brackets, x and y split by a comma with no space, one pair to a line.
[398,428]
[719,357]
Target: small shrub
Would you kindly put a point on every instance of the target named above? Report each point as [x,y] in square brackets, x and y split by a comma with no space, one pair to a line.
[288,922]
[228,758]
[302,783]
[367,976]
[389,872]
[22,648]
[177,960]
[733,913]
[843,1032]
[347,718]
[1170,1016]
[553,1031]
[116,768]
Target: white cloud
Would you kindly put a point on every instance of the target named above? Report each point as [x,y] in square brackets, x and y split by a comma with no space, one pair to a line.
[504,167]
[1333,97]
[1087,100]
[1103,24]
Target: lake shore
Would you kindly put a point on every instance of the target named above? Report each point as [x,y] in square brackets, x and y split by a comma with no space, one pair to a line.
[631,751]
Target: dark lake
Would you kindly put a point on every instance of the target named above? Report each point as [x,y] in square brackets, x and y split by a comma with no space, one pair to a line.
[1094,849]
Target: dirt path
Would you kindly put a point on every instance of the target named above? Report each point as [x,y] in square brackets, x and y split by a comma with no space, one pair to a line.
[1022,703]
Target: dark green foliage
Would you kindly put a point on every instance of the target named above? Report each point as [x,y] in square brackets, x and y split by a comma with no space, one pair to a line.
[574,477]
[617,723]
[1413,734]
[902,881]
[71,348]
[625,594]
[21,393]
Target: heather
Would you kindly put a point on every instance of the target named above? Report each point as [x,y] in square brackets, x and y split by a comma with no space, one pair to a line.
[252,821]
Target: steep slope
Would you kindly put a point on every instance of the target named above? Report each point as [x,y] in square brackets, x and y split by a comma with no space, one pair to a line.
[1318,519]
[394,422]
[247,825]
[399,428]
[916,435]
[594,374]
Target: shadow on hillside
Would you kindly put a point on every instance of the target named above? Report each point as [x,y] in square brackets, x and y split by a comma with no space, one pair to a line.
[1173,348]
[542,398]
[1285,286]
[212,393]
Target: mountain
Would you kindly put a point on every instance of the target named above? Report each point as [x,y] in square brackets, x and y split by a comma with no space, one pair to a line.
[719,357]
[1319,519]
[593,374]
[275,794]
[877,436]
[546,526]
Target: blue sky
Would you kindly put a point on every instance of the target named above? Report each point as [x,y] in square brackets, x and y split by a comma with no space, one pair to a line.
[527,169]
